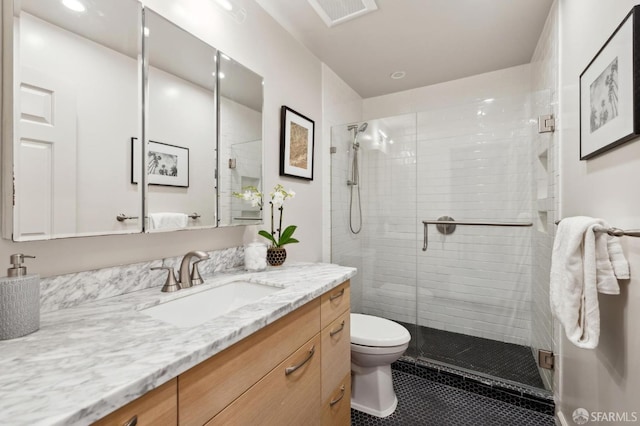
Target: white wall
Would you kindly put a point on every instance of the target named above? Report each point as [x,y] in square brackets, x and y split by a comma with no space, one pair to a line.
[292,77]
[340,105]
[607,378]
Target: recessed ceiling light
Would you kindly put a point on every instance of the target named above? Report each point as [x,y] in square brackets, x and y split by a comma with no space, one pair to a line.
[225,4]
[75,5]
[398,75]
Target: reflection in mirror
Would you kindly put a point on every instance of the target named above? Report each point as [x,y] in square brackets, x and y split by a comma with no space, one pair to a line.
[180,128]
[240,140]
[76,108]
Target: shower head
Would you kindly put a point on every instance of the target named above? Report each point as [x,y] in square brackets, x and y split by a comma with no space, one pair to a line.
[363,127]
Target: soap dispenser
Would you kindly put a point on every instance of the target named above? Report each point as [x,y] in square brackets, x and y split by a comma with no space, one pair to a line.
[19,300]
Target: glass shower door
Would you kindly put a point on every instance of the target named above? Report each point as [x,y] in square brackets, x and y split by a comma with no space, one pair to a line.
[476,163]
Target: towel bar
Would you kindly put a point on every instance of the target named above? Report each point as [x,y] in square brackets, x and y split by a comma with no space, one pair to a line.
[617,232]
[122,217]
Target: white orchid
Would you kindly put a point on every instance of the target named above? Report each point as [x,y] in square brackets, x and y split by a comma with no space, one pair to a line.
[278,197]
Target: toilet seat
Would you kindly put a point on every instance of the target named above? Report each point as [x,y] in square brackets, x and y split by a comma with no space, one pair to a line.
[367,330]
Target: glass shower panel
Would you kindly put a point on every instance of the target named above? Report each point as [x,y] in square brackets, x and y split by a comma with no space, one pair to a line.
[384,249]
[475,164]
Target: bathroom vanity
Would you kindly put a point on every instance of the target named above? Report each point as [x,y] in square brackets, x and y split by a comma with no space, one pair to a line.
[294,371]
[284,359]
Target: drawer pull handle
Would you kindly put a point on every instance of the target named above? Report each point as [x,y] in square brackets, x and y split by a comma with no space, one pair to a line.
[290,370]
[335,401]
[338,294]
[133,421]
[334,332]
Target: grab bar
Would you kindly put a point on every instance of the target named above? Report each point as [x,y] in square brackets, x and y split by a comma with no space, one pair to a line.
[446,225]
[455,222]
[616,232]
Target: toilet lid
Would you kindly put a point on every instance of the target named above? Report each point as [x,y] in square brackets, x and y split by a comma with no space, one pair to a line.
[368,330]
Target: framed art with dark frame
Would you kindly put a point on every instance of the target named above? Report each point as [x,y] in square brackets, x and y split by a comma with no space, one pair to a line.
[296,144]
[610,91]
[167,165]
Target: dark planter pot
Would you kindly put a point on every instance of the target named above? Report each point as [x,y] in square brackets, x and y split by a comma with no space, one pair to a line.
[276,255]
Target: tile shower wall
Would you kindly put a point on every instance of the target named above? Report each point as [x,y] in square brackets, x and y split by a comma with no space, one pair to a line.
[388,167]
[544,75]
[474,164]
[240,130]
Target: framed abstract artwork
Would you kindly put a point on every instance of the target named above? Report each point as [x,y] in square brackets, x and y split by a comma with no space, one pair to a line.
[296,144]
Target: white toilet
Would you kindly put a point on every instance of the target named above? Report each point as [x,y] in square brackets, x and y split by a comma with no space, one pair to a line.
[375,344]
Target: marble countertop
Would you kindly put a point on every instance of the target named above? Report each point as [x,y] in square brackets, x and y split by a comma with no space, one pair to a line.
[88,360]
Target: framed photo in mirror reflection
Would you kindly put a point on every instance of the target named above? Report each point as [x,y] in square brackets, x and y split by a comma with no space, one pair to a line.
[166,165]
[296,144]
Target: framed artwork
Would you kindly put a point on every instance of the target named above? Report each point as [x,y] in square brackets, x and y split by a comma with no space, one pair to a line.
[610,91]
[296,144]
[167,165]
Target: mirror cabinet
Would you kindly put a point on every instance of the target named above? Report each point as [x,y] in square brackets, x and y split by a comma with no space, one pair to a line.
[84,84]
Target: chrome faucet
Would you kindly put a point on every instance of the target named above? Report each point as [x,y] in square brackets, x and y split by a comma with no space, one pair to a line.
[185,273]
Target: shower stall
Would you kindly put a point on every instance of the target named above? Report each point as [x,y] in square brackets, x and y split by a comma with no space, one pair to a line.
[466,292]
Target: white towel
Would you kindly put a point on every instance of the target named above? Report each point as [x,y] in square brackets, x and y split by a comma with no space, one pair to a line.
[585,260]
[168,220]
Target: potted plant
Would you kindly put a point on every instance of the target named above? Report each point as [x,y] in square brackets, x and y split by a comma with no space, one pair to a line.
[278,237]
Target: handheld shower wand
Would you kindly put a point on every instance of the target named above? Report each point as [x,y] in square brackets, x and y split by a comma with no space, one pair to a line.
[355,176]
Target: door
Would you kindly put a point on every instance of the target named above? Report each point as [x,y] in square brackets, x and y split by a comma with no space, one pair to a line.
[45,165]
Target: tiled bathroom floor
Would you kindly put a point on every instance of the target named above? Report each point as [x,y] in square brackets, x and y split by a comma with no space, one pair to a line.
[499,359]
[422,402]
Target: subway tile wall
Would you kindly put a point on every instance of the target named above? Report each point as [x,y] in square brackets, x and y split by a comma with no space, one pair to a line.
[474,164]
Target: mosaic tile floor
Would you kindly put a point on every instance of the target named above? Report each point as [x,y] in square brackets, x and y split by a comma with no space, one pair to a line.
[422,402]
[499,359]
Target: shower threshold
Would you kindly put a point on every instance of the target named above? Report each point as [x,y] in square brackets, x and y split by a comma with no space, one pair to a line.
[513,363]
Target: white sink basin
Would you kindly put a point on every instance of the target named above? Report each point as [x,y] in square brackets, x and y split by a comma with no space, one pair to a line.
[203,306]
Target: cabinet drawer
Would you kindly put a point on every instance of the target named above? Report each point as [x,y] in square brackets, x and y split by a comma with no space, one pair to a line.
[279,398]
[336,409]
[334,303]
[158,407]
[209,387]
[336,353]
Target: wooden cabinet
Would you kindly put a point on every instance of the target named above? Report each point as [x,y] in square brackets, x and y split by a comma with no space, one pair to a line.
[158,407]
[295,371]
[288,395]
[336,409]
[334,303]
[210,386]
[336,356]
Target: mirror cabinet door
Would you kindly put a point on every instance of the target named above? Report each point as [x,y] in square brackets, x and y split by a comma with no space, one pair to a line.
[76,106]
[240,140]
[92,80]
[181,127]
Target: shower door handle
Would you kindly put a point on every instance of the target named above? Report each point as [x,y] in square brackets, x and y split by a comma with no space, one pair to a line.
[425,243]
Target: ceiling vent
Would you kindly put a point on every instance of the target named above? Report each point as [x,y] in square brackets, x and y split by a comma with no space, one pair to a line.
[334,12]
